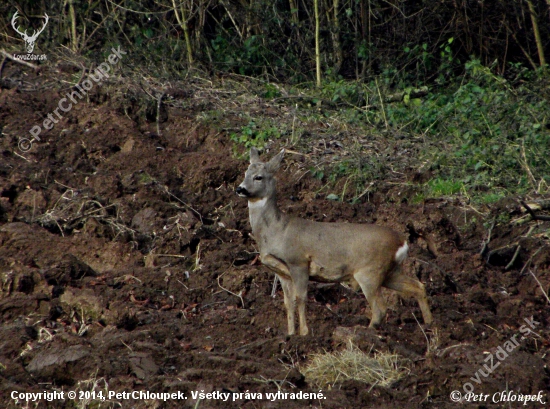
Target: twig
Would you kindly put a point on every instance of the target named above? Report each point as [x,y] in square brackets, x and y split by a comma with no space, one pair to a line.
[332,312]
[529,261]
[540,285]
[542,204]
[60,228]
[21,156]
[381,102]
[486,242]
[127,277]
[159,106]
[179,281]
[65,186]
[85,41]
[181,201]
[9,56]
[232,19]
[126,345]
[511,263]
[2,65]
[197,265]
[527,56]
[84,71]
[518,248]
[296,153]
[533,214]
[422,329]
[274,288]
[230,292]
[447,277]
[442,351]
[526,166]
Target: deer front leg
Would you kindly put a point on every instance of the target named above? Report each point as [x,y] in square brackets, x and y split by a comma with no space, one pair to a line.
[290,295]
[300,278]
[282,271]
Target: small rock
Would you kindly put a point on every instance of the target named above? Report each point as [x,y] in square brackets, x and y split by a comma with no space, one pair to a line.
[143,365]
[51,360]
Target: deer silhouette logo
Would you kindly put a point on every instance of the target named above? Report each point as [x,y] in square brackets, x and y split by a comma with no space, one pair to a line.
[29,40]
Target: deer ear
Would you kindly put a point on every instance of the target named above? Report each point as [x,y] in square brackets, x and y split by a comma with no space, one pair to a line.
[275,162]
[254,155]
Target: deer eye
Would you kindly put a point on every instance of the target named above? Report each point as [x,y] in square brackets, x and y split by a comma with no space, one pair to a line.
[258,177]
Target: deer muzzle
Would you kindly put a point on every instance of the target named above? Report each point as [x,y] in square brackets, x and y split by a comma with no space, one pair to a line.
[242,192]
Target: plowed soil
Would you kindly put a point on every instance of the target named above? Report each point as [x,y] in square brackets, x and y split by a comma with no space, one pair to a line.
[126,264]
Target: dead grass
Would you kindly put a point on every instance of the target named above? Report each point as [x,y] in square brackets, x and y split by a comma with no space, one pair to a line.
[326,369]
[93,393]
[72,210]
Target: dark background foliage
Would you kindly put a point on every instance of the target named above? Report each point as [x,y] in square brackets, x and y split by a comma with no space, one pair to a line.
[421,40]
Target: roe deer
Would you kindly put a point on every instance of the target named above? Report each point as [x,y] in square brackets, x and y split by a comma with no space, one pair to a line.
[364,255]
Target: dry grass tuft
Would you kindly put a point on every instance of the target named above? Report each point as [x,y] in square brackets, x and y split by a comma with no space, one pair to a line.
[329,368]
[73,209]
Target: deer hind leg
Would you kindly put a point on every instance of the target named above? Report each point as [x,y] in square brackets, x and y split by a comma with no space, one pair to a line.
[410,287]
[371,284]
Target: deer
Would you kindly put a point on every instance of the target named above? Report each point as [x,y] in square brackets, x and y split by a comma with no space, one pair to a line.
[366,256]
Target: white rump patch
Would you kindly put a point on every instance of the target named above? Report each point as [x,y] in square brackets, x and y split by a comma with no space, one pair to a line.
[401,253]
[256,204]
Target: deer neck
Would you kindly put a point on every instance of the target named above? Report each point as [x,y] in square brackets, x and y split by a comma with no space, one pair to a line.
[265,216]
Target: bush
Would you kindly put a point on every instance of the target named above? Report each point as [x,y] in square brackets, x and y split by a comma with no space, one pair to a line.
[488,133]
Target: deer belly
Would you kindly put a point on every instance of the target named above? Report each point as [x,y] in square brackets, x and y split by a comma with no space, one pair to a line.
[330,274]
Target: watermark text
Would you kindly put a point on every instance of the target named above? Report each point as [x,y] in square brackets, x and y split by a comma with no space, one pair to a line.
[66,103]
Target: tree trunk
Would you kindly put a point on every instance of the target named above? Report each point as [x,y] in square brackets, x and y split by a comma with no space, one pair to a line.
[72,14]
[538,40]
[317,46]
[183,24]
[338,53]
[294,11]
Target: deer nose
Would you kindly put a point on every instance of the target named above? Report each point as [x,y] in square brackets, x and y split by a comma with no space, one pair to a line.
[241,191]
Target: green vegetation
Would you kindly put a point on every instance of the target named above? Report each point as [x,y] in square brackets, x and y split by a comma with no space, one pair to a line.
[480,135]
[466,110]
[254,135]
[490,135]
[274,40]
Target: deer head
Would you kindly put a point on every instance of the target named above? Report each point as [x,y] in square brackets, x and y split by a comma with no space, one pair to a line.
[29,40]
